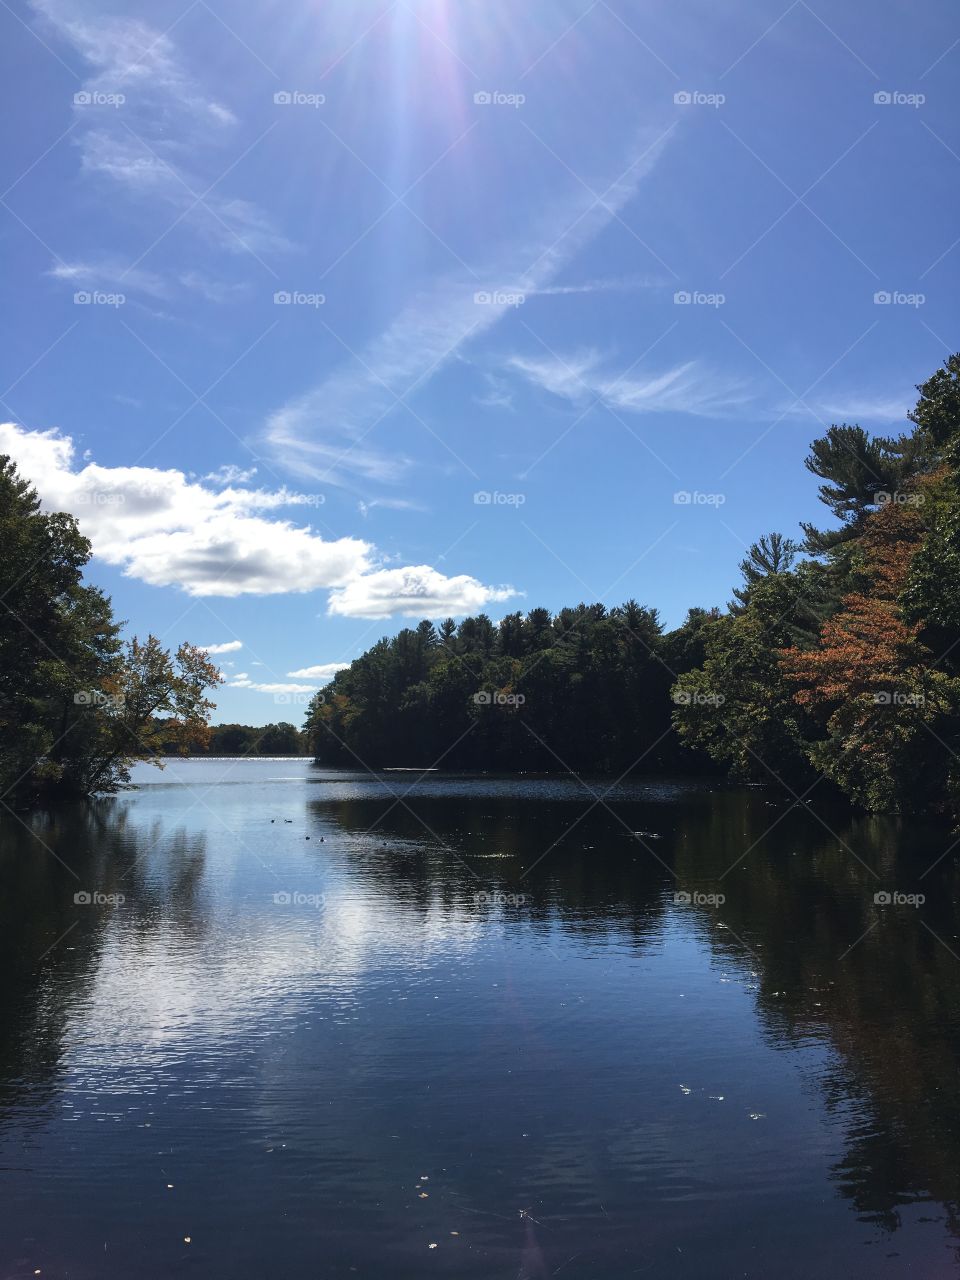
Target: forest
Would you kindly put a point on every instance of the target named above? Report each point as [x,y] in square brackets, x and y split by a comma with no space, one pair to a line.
[280,739]
[835,666]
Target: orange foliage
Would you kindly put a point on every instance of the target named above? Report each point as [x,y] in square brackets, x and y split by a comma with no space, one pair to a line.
[866,648]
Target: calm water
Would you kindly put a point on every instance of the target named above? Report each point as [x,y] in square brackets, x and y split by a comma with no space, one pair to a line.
[466,1029]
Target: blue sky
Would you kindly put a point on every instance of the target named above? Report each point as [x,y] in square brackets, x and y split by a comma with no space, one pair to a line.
[291,290]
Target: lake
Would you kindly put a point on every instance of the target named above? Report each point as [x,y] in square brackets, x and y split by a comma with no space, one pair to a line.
[262,1019]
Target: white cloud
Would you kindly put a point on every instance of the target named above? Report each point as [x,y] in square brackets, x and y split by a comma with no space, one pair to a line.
[230,474]
[324,673]
[415,592]
[686,388]
[170,531]
[321,433]
[242,682]
[230,646]
[165,114]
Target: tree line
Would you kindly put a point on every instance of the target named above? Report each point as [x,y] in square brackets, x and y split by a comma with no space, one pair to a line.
[836,664]
[281,739]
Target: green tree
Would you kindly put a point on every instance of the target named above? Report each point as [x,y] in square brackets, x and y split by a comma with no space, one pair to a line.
[232,740]
[153,698]
[772,553]
[281,739]
[938,410]
[685,649]
[738,707]
[855,468]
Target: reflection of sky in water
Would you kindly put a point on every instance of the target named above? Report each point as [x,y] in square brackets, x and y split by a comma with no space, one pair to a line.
[626,1065]
[262,964]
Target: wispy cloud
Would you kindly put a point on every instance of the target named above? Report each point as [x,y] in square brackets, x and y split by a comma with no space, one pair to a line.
[498,394]
[113,275]
[685,388]
[623,284]
[140,112]
[108,274]
[325,434]
[864,409]
[389,504]
[229,646]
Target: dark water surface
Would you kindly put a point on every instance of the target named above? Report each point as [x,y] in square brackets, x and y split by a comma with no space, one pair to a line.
[473,1033]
